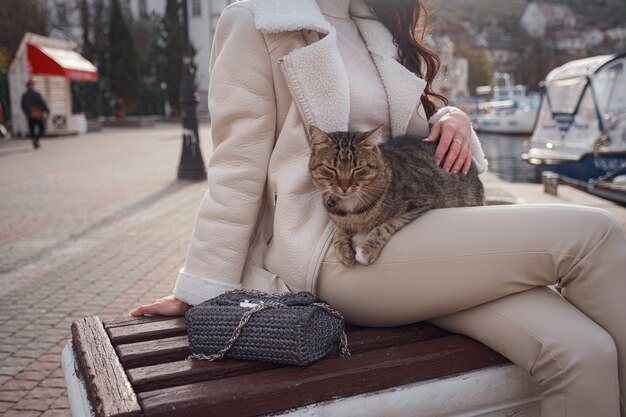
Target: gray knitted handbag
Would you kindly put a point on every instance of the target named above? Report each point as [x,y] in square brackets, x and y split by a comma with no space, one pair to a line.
[292,329]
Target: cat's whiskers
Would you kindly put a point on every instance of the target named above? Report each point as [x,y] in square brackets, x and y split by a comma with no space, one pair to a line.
[372,200]
[313,197]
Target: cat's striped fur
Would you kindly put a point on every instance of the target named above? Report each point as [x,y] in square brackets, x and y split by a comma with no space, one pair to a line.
[379,188]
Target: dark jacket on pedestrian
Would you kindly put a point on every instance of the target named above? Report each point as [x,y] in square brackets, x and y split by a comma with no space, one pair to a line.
[33,104]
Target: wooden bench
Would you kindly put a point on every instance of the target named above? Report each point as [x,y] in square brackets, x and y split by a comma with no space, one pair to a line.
[138,367]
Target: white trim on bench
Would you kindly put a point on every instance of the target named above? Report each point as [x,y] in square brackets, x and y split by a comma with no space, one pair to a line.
[76,390]
[499,391]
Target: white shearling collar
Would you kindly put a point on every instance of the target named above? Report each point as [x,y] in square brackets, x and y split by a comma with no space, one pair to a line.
[275,16]
[324,96]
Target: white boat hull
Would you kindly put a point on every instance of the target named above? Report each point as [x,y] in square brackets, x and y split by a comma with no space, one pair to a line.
[519,123]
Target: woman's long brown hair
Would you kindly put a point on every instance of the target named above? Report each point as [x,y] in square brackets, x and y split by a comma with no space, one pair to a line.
[406,20]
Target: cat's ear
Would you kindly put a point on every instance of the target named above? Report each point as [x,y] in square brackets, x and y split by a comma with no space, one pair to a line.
[372,138]
[318,136]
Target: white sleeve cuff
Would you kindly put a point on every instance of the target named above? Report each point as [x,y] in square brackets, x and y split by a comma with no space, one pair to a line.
[193,289]
[478,155]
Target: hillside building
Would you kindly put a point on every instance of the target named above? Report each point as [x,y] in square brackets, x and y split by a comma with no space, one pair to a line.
[538,18]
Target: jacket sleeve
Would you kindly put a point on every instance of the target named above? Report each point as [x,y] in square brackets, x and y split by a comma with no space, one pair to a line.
[25,105]
[478,155]
[243,114]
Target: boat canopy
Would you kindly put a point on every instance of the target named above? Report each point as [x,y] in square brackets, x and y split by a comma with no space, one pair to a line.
[589,88]
[582,100]
[580,68]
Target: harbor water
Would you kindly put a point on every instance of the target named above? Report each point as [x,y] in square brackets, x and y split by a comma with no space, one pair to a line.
[504,153]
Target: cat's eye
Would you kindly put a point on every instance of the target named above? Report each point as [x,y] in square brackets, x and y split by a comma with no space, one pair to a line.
[360,172]
[326,172]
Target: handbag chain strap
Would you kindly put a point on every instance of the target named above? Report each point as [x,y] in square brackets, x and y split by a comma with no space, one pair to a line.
[343,340]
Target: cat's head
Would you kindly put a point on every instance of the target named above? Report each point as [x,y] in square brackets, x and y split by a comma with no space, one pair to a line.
[346,163]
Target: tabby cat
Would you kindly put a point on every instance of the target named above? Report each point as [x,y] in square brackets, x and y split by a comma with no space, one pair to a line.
[379,188]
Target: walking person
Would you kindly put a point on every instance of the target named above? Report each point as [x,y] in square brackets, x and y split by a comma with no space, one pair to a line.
[279,66]
[35,109]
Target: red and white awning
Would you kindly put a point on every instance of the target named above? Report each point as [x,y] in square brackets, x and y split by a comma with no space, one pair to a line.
[46,60]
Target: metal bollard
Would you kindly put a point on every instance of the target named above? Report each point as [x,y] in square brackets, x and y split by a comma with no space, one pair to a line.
[550,182]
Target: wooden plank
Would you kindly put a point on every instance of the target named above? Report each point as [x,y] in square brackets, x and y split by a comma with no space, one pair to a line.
[133,355]
[149,330]
[131,321]
[184,372]
[108,388]
[291,387]
[152,352]
[187,371]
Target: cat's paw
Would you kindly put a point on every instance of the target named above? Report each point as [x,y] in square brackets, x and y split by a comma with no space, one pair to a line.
[345,254]
[366,254]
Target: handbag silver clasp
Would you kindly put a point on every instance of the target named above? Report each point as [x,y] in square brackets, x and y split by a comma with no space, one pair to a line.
[247,304]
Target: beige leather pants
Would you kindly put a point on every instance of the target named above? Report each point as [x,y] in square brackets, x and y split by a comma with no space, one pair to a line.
[483,272]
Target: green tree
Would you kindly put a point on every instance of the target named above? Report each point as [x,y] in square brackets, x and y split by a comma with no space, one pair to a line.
[123,62]
[478,63]
[17,18]
[172,55]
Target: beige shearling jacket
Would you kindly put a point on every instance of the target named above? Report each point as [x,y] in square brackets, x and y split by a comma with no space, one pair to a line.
[276,69]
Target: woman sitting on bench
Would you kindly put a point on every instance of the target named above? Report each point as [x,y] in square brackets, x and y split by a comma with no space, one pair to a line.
[280,66]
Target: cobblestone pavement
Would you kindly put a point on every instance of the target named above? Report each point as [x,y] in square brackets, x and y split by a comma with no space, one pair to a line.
[91,224]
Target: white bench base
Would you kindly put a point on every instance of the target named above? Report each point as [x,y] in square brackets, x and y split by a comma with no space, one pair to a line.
[499,391]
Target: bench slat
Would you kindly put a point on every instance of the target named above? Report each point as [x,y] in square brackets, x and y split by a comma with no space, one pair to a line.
[133,355]
[185,372]
[152,352]
[291,387]
[132,321]
[144,331]
[108,388]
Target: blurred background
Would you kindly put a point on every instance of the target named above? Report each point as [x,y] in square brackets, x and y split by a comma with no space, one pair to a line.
[136,49]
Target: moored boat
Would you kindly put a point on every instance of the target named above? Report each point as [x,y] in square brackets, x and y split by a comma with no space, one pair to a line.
[511,109]
[580,132]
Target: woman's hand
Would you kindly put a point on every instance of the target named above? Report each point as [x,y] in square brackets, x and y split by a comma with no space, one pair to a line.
[454,133]
[166,306]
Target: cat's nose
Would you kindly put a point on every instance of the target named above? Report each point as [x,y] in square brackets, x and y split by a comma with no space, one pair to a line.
[344,184]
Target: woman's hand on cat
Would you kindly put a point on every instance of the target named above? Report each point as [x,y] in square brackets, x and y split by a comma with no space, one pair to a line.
[454,133]
[166,306]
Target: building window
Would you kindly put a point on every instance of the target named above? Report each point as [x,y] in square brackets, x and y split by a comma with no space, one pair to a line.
[143,8]
[195,8]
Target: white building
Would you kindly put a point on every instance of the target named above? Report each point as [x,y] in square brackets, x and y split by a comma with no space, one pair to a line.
[539,17]
[452,79]
[51,64]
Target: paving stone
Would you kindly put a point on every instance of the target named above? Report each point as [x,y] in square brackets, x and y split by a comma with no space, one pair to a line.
[28,353]
[37,404]
[10,370]
[39,375]
[53,383]
[56,413]
[12,396]
[46,392]
[22,413]
[19,385]
[61,403]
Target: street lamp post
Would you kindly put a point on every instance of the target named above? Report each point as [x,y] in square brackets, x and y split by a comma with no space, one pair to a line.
[191,166]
